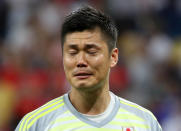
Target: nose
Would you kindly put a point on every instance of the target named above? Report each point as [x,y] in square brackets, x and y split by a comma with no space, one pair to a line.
[81,62]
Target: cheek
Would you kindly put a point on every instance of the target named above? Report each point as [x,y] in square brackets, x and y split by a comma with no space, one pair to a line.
[68,64]
[101,64]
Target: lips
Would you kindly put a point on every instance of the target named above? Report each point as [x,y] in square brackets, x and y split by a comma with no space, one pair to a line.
[82,75]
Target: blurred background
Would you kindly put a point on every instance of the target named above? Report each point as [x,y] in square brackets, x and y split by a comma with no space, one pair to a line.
[149,68]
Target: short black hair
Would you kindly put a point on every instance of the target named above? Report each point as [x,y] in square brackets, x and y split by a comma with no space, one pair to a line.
[88,18]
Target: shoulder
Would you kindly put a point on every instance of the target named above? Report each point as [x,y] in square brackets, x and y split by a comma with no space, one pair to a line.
[133,107]
[143,113]
[43,113]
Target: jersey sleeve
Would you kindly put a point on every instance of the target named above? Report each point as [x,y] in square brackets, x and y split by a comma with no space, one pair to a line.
[21,126]
[155,126]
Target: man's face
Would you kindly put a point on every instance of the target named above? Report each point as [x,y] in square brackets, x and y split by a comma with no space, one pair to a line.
[86,59]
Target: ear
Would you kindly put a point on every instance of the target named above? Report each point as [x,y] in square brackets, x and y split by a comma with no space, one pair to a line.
[114,57]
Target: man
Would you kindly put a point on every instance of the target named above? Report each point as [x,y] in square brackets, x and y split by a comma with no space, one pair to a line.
[89,51]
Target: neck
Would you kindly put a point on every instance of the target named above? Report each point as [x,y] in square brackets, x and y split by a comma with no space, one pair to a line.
[90,103]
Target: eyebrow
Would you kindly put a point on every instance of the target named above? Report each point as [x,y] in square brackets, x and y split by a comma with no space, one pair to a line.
[87,46]
[73,46]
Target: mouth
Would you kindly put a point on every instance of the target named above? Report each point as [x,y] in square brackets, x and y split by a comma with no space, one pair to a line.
[83,75]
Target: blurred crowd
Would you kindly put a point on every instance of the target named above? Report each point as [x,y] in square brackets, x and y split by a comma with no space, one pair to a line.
[149,68]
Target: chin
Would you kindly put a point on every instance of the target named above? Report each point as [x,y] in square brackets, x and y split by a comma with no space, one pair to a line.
[85,87]
[82,84]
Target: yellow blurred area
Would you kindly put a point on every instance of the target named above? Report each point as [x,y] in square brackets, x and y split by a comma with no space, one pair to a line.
[7,100]
[176,53]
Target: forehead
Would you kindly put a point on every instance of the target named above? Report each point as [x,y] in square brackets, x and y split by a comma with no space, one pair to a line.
[86,36]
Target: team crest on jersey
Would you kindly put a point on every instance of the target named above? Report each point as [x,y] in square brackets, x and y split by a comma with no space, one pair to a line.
[128,129]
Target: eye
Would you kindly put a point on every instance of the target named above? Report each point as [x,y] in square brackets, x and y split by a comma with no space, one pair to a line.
[72,52]
[92,51]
